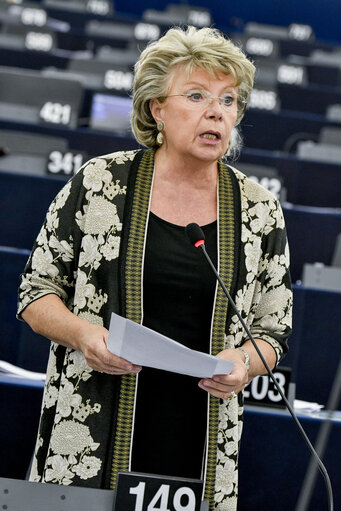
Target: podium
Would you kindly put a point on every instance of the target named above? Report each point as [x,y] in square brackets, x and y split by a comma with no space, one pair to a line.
[18,495]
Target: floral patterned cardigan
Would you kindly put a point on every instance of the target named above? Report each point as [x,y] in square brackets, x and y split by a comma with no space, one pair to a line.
[90,253]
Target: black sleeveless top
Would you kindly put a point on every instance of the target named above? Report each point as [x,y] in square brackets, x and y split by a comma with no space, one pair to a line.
[171,410]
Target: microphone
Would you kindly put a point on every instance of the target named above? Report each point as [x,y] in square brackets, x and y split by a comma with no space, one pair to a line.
[197,238]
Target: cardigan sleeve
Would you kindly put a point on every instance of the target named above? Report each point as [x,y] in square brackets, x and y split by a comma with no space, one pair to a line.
[272,318]
[51,265]
[264,294]
[81,230]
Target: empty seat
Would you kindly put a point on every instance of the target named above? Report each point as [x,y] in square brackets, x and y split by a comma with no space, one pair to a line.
[19,345]
[296,173]
[27,96]
[104,74]
[110,29]
[24,201]
[296,31]
[28,152]
[28,38]
[312,234]
[20,403]
[274,459]
[309,150]
[101,8]
[330,135]
[12,263]
[311,99]
[86,141]
[315,343]
[334,112]
[179,15]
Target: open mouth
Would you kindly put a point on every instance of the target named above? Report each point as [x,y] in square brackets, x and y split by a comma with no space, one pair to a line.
[211,136]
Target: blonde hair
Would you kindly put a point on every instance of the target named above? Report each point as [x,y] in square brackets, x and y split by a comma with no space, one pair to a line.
[204,48]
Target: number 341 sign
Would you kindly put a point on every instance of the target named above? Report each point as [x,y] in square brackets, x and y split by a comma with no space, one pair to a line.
[146,492]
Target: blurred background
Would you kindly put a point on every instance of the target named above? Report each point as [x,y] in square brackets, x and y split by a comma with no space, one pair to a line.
[66,71]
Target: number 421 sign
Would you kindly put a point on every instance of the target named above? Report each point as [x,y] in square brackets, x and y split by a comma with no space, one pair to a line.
[147,492]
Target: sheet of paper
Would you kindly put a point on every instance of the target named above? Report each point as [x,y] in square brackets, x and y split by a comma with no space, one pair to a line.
[15,371]
[142,346]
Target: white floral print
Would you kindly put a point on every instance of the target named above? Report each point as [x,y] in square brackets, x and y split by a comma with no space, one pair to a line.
[111,249]
[59,471]
[101,216]
[70,437]
[42,262]
[95,174]
[77,366]
[62,247]
[88,467]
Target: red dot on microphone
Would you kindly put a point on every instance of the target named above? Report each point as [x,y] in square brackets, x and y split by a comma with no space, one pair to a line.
[199,243]
[195,234]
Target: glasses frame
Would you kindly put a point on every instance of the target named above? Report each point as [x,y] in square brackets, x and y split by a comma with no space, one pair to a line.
[208,99]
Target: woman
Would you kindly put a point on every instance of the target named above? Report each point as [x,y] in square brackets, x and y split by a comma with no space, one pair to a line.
[114,240]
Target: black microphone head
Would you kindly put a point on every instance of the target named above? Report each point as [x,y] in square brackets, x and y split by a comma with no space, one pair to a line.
[196,234]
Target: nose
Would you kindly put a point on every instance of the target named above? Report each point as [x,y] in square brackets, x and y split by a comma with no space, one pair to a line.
[214,108]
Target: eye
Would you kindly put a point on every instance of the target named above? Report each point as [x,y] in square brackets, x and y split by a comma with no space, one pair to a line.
[196,97]
[227,100]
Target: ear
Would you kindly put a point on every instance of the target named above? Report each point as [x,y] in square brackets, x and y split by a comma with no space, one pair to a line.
[156,109]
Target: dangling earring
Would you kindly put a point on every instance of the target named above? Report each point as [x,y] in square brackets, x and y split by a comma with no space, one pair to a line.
[160,127]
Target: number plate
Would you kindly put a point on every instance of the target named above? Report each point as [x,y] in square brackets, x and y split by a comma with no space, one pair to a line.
[55,113]
[145,492]
[262,391]
[66,163]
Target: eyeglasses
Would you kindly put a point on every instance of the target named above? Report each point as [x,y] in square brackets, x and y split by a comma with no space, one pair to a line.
[203,98]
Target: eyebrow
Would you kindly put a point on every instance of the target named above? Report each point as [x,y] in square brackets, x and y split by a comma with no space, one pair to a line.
[228,89]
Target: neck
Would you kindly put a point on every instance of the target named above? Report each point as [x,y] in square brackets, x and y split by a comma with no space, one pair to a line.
[179,169]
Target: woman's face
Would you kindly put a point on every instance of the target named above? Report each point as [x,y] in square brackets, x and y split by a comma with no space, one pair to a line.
[194,127]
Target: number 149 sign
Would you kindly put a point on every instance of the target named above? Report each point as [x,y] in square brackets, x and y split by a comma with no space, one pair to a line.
[145,492]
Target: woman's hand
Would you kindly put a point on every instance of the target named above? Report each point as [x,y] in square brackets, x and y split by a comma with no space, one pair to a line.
[225,386]
[93,344]
[48,316]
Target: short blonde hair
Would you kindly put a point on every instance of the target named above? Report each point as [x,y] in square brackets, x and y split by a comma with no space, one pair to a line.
[204,48]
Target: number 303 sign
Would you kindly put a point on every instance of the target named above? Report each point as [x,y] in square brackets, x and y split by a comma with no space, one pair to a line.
[262,391]
[145,492]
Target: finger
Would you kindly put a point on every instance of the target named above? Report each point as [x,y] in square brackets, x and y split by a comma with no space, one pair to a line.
[110,363]
[119,370]
[237,377]
[213,384]
[122,367]
[113,370]
[226,394]
[220,390]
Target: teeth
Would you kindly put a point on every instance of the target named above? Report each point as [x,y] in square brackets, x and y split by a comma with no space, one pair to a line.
[209,135]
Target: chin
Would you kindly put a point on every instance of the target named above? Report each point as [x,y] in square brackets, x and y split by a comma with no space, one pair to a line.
[212,154]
